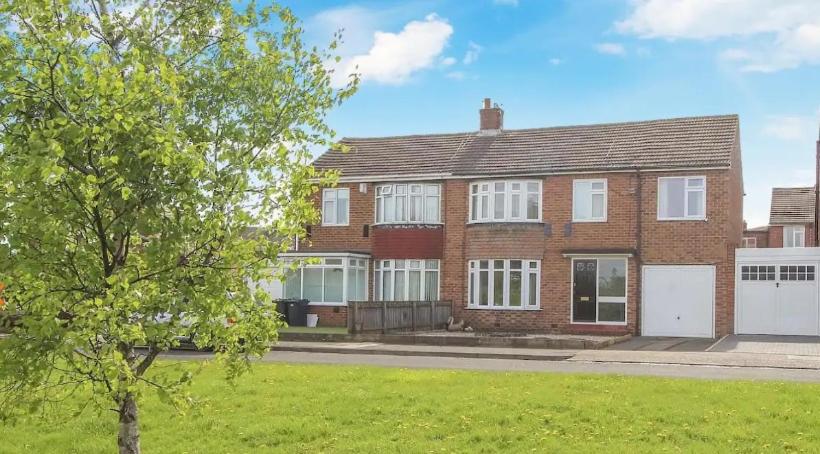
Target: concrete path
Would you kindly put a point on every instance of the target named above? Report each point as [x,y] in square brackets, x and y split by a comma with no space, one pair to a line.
[517,365]
[375,348]
[669,344]
[764,344]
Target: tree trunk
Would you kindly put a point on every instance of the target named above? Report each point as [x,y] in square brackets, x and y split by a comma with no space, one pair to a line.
[128,439]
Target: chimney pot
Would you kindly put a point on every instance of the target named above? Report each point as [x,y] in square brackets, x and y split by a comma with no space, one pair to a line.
[486,103]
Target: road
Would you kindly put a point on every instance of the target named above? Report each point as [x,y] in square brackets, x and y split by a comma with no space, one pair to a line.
[507,365]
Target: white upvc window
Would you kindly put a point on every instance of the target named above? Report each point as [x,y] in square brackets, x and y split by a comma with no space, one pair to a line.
[406,280]
[505,201]
[335,206]
[504,284]
[794,236]
[589,200]
[408,203]
[748,242]
[328,280]
[681,198]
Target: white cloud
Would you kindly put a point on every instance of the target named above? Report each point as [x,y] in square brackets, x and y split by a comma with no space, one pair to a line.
[555,61]
[394,57]
[786,33]
[448,61]
[473,50]
[506,2]
[790,127]
[610,48]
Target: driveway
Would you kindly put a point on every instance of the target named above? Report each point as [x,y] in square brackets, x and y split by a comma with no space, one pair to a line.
[661,344]
[777,345]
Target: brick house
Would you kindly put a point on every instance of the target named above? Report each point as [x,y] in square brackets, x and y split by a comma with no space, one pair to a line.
[755,237]
[792,217]
[610,228]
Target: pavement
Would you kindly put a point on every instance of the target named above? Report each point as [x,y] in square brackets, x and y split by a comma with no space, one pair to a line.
[669,344]
[774,345]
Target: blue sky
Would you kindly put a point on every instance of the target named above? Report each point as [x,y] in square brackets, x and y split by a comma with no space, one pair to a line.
[426,66]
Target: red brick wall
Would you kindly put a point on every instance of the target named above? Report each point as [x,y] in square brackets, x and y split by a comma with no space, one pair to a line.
[762,237]
[661,242]
[775,236]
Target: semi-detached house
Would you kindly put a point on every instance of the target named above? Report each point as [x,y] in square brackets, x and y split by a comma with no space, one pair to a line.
[607,228]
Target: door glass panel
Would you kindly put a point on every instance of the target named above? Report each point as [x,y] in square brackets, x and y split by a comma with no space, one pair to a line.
[611,312]
[612,277]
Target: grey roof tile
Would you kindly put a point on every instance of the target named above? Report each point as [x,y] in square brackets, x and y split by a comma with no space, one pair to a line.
[792,206]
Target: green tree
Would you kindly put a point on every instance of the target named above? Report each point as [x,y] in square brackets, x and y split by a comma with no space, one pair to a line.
[141,141]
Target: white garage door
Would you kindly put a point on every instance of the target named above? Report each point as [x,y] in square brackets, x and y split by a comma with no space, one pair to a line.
[678,300]
[778,299]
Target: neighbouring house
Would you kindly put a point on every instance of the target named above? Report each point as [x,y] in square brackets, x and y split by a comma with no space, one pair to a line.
[607,228]
[755,237]
[792,217]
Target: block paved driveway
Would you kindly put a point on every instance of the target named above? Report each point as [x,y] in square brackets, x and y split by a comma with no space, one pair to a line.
[777,345]
[661,344]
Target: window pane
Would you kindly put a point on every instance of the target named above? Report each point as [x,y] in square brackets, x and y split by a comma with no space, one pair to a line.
[597,185]
[432,189]
[532,206]
[313,284]
[611,312]
[333,285]
[485,206]
[414,288]
[498,205]
[415,208]
[515,264]
[379,210]
[432,208]
[329,212]
[474,208]
[672,193]
[472,284]
[334,261]
[532,187]
[695,203]
[515,206]
[581,200]
[533,289]
[483,288]
[515,288]
[430,285]
[377,286]
[398,291]
[612,277]
[343,198]
[361,284]
[389,208]
[401,209]
[387,285]
[597,206]
[293,284]
[431,264]
[695,183]
[498,287]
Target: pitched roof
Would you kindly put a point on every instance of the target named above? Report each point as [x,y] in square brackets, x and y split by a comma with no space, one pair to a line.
[655,144]
[792,206]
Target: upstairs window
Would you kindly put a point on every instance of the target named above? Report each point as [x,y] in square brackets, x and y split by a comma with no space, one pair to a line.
[413,203]
[794,236]
[589,200]
[681,198]
[505,201]
[748,242]
[335,206]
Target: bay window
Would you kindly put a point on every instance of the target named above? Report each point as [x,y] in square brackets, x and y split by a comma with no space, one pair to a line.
[589,200]
[414,203]
[406,280]
[505,201]
[681,198]
[504,284]
[328,280]
[335,206]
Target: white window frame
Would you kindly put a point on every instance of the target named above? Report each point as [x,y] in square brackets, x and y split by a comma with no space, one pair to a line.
[382,265]
[485,190]
[349,264]
[592,192]
[383,192]
[748,242]
[792,231]
[527,272]
[686,191]
[332,196]
[607,299]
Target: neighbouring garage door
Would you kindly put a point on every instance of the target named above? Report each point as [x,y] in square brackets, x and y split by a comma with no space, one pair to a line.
[778,298]
[678,300]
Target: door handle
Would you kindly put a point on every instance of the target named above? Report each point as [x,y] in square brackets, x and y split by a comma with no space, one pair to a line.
[777,284]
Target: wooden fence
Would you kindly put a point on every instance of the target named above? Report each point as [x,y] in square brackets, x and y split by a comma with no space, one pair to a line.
[386,316]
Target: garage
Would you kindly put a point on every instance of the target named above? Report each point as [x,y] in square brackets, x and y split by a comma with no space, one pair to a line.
[678,300]
[776,291]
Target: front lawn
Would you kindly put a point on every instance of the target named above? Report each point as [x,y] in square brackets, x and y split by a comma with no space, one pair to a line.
[296,408]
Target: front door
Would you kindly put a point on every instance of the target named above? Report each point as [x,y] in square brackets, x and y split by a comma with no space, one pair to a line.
[584,290]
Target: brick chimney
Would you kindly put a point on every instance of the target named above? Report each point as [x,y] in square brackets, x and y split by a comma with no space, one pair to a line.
[492,117]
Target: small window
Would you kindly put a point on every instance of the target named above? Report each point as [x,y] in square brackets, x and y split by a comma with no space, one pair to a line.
[797,273]
[748,242]
[757,273]
[794,236]
[589,200]
[681,198]
[335,206]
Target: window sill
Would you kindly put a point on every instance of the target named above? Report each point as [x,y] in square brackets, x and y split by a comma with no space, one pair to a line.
[539,222]
[334,225]
[502,308]
[407,224]
[317,303]
[599,323]
[589,221]
[682,219]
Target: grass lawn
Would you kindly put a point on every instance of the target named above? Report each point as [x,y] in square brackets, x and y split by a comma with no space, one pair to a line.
[296,408]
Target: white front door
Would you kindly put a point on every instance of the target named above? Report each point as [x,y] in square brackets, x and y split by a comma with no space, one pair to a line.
[678,300]
[778,299]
